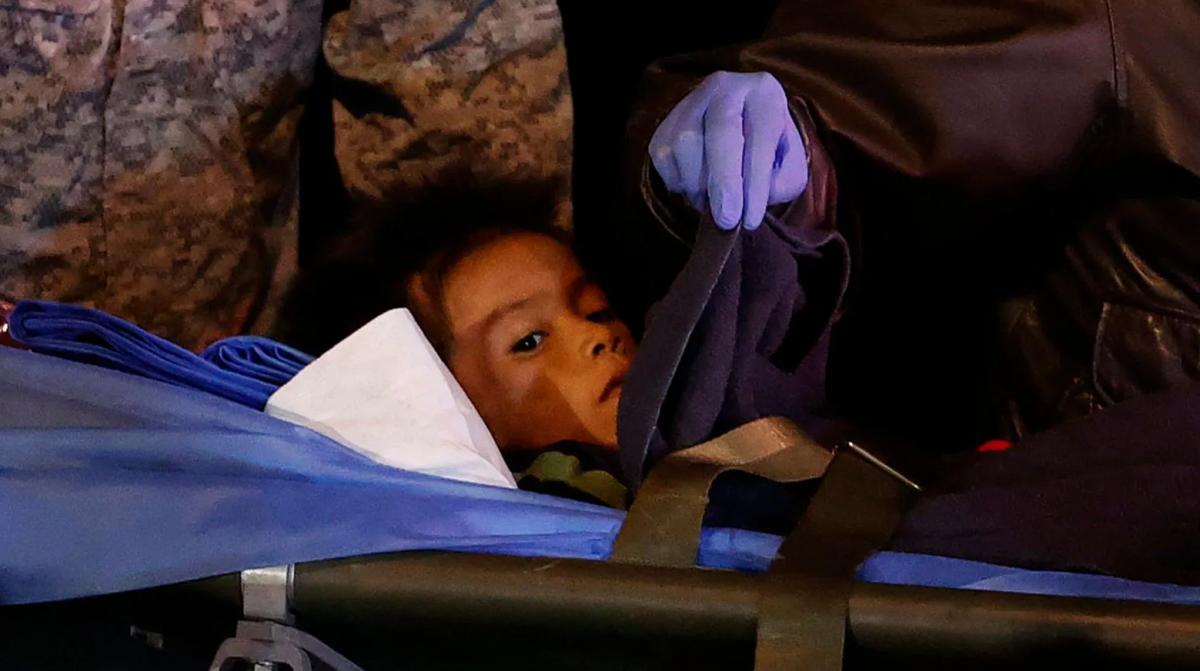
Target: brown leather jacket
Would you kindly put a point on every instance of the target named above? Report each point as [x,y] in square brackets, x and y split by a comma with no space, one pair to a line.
[1019,182]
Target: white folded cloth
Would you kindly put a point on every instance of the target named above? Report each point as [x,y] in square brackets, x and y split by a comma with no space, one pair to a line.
[386,394]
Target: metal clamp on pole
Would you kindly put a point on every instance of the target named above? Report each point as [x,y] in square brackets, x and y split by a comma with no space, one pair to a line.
[267,593]
[265,638]
[268,646]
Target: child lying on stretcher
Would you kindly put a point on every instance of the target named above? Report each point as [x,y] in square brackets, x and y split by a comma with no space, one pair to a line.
[500,294]
[533,341]
[527,334]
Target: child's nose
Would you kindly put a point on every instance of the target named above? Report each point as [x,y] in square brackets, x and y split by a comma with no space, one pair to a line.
[599,340]
[610,343]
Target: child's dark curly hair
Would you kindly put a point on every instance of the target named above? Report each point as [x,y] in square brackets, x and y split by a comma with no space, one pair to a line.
[370,269]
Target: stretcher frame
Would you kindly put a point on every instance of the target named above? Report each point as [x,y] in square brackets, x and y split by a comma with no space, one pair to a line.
[650,592]
[889,626]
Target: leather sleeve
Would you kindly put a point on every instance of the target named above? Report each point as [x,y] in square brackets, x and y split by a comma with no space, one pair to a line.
[984,95]
[1005,171]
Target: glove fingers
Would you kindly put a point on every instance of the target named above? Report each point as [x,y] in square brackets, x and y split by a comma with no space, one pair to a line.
[699,199]
[681,173]
[731,145]
[662,156]
[762,124]
[723,145]
[791,167]
[689,159]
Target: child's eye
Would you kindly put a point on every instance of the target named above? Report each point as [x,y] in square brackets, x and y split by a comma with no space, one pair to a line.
[601,316]
[529,342]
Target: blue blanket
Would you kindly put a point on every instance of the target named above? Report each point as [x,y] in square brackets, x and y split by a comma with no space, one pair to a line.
[243,369]
[135,477]
[111,482]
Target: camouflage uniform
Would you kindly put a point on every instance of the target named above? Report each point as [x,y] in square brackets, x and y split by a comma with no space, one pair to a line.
[147,147]
[484,86]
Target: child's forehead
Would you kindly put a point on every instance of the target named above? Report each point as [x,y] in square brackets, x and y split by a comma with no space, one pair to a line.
[512,256]
[516,268]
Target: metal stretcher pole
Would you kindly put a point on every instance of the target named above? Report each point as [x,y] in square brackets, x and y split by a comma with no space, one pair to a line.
[626,601]
[381,597]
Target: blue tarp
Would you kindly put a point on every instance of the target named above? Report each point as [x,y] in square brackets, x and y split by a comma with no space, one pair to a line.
[244,369]
[900,568]
[110,481]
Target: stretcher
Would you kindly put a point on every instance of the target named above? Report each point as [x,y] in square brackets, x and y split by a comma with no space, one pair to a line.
[129,561]
[450,610]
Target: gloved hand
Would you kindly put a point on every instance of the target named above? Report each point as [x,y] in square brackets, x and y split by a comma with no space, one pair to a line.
[732,145]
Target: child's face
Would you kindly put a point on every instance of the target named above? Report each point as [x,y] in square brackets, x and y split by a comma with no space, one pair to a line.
[534,343]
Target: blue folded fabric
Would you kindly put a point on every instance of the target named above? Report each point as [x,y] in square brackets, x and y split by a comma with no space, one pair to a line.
[112,482]
[902,568]
[245,369]
[258,358]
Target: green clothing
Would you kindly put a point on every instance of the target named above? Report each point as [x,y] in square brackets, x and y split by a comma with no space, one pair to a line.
[563,474]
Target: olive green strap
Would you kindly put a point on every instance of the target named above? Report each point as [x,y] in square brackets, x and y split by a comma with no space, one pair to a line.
[803,610]
[662,527]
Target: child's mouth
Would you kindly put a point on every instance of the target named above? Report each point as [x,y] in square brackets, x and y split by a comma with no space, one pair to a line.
[612,388]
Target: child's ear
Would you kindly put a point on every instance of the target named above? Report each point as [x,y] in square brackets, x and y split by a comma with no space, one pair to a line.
[419,299]
[430,317]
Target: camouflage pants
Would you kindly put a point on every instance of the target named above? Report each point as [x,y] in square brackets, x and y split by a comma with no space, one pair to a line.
[148,147]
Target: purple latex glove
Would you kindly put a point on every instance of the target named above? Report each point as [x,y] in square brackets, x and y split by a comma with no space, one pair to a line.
[732,144]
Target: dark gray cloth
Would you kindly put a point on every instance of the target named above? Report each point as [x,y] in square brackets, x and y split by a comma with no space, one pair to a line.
[1115,493]
[743,332]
